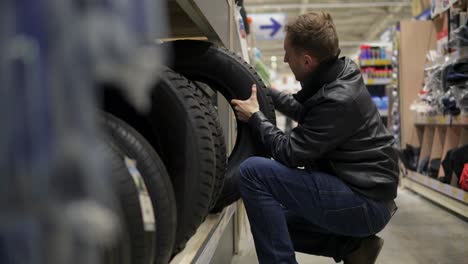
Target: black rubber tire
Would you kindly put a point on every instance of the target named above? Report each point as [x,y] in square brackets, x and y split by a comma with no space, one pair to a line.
[223,70]
[134,244]
[182,126]
[156,178]
[219,141]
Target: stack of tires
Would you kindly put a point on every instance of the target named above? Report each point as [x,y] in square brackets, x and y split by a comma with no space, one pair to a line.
[178,149]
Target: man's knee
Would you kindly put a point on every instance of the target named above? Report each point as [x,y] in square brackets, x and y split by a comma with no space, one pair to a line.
[254,164]
[251,169]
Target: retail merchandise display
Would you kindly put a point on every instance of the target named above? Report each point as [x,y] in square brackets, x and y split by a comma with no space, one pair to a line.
[464,178]
[376,69]
[127,178]
[452,164]
[445,86]
[434,128]
[445,91]
[410,158]
[375,73]
[372,52]
[381,102]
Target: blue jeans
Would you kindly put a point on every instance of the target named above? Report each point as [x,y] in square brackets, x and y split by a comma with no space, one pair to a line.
[298,210]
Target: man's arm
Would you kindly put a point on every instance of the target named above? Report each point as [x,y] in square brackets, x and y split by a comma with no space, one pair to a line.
[326,125]
[324,128]
[286,104]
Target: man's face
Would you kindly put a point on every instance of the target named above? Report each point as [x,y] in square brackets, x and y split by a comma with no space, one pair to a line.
[301,63]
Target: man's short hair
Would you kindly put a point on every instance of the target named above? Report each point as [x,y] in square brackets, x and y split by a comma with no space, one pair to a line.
[315,33]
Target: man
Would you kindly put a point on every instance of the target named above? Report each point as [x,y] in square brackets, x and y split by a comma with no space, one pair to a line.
[331,185]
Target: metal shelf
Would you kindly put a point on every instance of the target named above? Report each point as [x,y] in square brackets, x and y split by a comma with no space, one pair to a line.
[446,195]
[195,18]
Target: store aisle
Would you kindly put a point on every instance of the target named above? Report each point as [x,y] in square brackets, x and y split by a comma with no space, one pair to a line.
[420,233]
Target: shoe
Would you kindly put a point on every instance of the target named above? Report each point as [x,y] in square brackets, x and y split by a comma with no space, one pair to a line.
[367,252]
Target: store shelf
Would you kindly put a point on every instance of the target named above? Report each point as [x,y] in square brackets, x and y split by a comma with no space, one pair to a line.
[195,18]
[446,195]
[460,120]
[436,197]
[201,247]
[441,120]
[432,120]
[376,62]
[441,187]
[382,81]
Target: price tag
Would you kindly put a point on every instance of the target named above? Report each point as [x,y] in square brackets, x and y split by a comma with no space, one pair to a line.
[420,178]
[441,120]
[460,195]
[447,189]
[427,181]
[434,184]
[461,119]
[440,187]
[422,119]
[464,196]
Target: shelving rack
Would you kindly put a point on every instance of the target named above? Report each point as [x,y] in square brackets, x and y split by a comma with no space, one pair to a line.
[379,63]
[216,240]
[436,135]
[433,134]
[445,195]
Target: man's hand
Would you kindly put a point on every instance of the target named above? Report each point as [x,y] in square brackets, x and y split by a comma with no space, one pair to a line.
[245,109]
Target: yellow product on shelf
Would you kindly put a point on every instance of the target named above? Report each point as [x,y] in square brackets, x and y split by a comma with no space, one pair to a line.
[442,120]
[376,62]
[422,119]
[460,120]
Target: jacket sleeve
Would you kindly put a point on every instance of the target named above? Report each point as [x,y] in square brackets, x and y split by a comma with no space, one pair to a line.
[324,128]
[286,104]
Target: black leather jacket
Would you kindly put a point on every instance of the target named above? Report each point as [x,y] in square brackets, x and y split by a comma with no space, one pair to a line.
[339,131]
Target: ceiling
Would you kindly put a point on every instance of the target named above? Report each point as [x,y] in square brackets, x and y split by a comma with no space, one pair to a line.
[356,21]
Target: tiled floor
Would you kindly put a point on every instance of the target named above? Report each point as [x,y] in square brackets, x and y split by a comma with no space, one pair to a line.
[420,233]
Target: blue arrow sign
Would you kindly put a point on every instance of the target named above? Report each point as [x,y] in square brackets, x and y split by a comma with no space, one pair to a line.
[275,26]
[268,26]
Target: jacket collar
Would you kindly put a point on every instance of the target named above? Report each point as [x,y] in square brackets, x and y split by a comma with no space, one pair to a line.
[326,73]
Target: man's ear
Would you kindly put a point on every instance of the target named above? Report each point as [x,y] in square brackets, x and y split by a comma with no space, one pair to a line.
[310,62]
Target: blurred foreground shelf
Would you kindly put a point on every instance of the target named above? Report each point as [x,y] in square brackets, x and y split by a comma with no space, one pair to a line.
[213,239]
